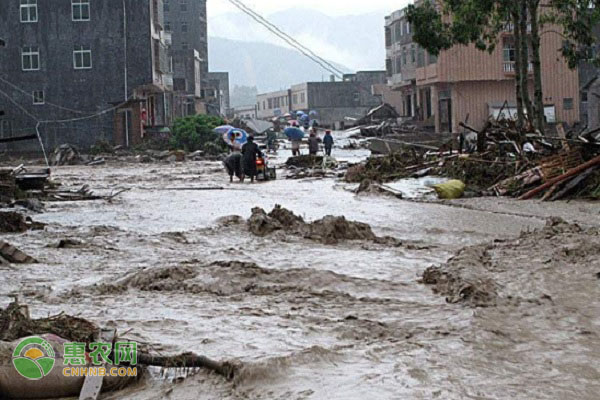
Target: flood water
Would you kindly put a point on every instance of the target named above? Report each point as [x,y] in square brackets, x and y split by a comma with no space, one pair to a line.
[307,320]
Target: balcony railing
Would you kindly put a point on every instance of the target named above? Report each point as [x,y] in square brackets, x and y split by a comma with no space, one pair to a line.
[509,67]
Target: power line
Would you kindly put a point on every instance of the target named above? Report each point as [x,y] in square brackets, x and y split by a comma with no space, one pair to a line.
[247,9]
[285,38]
[326,65]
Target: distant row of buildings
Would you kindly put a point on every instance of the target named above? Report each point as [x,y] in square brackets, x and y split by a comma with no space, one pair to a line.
[464,84]
[333,103]
[103,70]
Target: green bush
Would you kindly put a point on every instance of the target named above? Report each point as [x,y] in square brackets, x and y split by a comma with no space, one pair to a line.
[195,132]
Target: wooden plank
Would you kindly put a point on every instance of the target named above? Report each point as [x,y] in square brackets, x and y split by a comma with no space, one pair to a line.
[92,385]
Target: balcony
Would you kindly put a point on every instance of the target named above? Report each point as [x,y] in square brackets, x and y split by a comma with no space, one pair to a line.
[509,67]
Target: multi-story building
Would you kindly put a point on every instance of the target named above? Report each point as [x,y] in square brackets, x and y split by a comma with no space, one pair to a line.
[186,21]
[589,82]
[466,84]
[217,94]
[401,61]
[84,68]
[333,103]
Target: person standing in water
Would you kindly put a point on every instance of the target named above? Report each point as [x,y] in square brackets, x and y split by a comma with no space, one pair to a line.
[250,152]
[328,142]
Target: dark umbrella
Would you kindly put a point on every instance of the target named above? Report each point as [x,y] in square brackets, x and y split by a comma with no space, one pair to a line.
[294,133]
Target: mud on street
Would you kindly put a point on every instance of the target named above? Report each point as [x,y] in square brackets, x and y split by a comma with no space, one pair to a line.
[476,298]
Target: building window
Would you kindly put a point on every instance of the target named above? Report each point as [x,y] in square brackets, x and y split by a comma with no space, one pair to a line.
[166,6]
[29,11]
[302,98]
[167,26]
[398,65]
[2,43]
[183,4]
[413,54]
[5,128]
[38,97]
[82,57]
[184,27]
[404,57]
[184,45]
[80,10]
[584,96]
[568,103]
[30,58]
[357,97]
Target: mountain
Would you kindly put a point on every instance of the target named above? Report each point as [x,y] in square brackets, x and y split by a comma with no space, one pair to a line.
[264,65]
[357,41]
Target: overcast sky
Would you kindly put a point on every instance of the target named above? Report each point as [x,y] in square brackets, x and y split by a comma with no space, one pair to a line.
[331,7]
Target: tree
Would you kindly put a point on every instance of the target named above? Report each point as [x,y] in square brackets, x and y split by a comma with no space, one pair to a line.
[196,133]
[578,18]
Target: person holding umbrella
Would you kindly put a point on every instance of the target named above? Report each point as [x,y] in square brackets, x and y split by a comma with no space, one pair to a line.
[250,151]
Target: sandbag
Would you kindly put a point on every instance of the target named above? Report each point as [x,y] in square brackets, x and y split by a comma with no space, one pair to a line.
[450,190]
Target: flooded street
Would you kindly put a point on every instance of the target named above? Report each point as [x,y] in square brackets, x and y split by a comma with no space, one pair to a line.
[166,265]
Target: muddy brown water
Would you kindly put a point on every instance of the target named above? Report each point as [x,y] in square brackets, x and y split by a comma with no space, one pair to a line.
[307,320]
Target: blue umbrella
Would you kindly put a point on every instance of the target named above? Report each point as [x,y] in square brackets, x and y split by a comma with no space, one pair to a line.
[313,112]
[300,113]
[235,137]
[294,133]
[221,130]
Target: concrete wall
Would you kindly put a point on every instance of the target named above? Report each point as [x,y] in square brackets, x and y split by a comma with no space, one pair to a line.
[89,90]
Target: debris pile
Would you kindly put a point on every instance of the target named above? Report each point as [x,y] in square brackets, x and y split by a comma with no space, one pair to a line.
[328,230]
[504,162]
[15,323]
[12,222]
[66,154]
[387,168]
[309,166]
[305,161]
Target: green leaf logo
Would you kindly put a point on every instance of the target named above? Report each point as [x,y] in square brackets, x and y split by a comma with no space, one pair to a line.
[33,358]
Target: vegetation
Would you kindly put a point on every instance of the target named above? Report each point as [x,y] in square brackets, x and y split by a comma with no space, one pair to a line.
[440,26]
[194,133]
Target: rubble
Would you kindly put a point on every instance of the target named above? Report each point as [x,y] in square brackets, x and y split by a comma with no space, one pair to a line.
[328,230]
[14,255]
[15,323]
[387,168]
[500,165]
[66,154]
[8,185]
[12,222]
[305,161]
